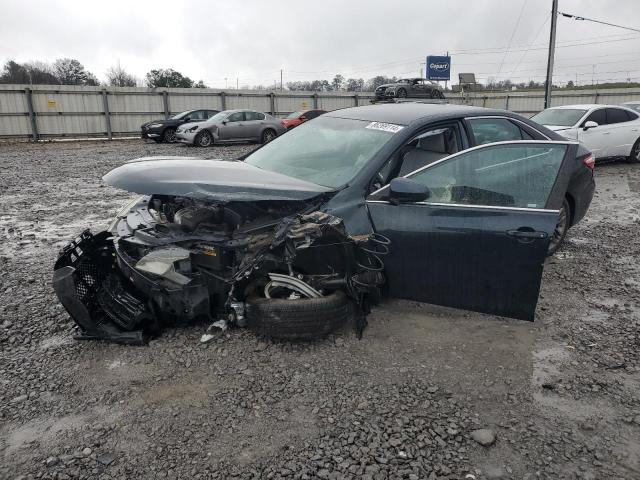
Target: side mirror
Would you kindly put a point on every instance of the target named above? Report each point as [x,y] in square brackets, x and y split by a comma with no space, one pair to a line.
[225,121]
[187,119]
[589,124]
[303,118]
[405,190]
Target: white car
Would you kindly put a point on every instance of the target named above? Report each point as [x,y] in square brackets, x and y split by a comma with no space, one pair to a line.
[609,131]
[635,105]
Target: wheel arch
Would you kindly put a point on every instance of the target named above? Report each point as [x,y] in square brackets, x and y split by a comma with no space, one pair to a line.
[572,206]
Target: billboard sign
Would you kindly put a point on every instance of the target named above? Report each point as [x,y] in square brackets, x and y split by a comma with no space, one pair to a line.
[438,67]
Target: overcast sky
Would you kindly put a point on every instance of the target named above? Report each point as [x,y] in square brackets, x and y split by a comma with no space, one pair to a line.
[253,39]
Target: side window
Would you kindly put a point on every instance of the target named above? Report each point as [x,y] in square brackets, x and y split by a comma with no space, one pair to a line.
[311,114]
[616,115]
[197,115]
[631,115]
[253,116]
[236,117]
[510,175]
[211,113]
[490,130]
[597,116]
[427,147]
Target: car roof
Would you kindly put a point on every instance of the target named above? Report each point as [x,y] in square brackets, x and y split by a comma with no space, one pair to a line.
[633,102]
[409,112]
[584,106]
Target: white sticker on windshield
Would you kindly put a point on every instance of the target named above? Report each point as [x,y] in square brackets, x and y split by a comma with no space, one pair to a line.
[385,127]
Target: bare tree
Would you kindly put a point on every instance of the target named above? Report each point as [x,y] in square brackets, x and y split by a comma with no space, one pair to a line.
[119,77]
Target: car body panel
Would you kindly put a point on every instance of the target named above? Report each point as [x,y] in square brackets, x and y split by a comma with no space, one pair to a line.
[147,131]
[470,256]
[236,131]
[607,140]
[413,87]
[209,179]
[305,116]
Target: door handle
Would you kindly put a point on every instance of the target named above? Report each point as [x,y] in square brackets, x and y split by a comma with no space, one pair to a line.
[527,234]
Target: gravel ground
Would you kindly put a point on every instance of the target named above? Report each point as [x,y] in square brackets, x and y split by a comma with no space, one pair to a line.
[428,393]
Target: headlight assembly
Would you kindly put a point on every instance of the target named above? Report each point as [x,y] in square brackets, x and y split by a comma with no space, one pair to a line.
[154,125]
[192,129]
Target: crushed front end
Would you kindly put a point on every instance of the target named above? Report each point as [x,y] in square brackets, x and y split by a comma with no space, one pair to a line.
[170,260]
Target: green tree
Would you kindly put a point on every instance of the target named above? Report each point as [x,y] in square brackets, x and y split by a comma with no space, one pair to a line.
[355,85]
[337,82]
[167,78]
[13,72]
[70,71]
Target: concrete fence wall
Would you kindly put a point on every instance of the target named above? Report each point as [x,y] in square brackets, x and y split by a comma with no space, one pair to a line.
[53,111]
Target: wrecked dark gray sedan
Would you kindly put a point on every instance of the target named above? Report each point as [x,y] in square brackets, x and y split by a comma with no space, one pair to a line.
[308,231]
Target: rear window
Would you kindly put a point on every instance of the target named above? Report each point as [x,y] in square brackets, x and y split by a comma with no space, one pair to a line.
[490,130]
[253,116]
[562,117]
[616,115]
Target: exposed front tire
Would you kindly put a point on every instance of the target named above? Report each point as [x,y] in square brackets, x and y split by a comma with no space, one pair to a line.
[204,139]
[437,94]
[562,227]
[299,319]
[268,135]
[634,156]
[169,135]
[402,93]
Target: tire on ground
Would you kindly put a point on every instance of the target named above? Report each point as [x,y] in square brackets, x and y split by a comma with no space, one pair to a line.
[301,319]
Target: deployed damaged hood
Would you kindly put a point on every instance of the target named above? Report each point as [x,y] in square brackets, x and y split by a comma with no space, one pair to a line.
[216,180]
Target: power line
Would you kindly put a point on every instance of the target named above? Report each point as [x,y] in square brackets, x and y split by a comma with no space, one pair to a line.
[515,29]
[531,44]
[576,17]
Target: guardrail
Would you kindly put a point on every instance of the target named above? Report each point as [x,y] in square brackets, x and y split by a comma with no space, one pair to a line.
[37,112]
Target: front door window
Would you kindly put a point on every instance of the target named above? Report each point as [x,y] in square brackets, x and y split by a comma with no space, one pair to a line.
[510,175]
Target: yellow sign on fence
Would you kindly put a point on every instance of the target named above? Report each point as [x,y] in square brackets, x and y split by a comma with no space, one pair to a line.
[52,104]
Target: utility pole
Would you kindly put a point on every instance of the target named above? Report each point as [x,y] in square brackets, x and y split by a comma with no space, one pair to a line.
[280,79]
[552,50]
[445,82]
[236,83]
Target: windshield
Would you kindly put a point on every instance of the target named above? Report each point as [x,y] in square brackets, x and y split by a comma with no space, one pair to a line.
[217,117]
[328,151]
[294,115]
[563,117]
[183,114]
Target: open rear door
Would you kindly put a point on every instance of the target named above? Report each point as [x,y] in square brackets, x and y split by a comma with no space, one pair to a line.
[480,240]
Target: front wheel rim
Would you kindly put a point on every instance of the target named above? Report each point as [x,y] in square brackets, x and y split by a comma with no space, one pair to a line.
[402,94]
[205,140]
[170,136]
[637,152]
[268,136]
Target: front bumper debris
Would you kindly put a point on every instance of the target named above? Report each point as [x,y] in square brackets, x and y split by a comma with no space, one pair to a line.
[186,137]
[92,293]
[117,290]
